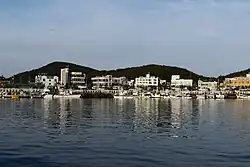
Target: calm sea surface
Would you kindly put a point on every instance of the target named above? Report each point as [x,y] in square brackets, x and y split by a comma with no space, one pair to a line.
[135,132]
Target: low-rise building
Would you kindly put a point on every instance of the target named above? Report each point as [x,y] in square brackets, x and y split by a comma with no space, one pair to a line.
[108,81]
[147,81]
[120,81]
[207,85]
[238,81]
[78,79]
[176,81]
[102,81]
[47,81]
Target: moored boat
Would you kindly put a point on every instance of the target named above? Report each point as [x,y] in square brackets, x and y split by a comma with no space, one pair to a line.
[50,96]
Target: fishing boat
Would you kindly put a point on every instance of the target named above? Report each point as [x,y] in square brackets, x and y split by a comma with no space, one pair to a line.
[123,95]
[69,96]
[155,95]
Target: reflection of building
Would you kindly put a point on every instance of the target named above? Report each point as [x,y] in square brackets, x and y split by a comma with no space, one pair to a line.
[108,81]
[176,81]
[78,79]
[64,76]
[63,113]
[46,105]
[207,85]
[176,108]
[47,81]
[146,114]
[147,81]
[238,81]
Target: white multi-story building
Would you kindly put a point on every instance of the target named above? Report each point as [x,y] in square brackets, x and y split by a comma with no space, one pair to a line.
[47,81]
[64,76]
[102,81]
[146,81]
[207,85]
[120,81]
[78,79]
[108,81]
[176,81]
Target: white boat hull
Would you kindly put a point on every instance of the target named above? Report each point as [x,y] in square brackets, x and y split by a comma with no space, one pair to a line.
[123,97]
[62,96]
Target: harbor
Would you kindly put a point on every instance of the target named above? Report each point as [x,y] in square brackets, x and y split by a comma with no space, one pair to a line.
[128,94]
[77,84]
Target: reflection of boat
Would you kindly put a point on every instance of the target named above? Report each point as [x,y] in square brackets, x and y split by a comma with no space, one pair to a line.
[14,96]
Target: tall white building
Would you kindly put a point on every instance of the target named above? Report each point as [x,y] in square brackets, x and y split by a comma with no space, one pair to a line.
[64,76]
[78,79]
[47,80]
[146,81]
[108,81]
[176,81]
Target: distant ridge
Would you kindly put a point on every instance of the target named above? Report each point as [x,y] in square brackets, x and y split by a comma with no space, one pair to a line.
[164,72]
[235,74]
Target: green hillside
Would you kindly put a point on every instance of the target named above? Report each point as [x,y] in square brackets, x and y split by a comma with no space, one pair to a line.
[164,72]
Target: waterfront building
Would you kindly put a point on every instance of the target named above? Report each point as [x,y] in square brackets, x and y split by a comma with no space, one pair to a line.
[3,81]
[207,85]
[102,81]
[119,81]
[147,81]
[176,81]
[108,81]
[47,81]
[78,79]
[238,81]
[64,76]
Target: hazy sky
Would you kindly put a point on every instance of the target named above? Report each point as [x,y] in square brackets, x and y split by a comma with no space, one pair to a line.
[209,37]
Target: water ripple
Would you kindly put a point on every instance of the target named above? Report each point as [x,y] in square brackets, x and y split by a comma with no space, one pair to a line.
[129,132]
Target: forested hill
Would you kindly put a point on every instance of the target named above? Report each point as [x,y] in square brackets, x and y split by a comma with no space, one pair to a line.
[164,72]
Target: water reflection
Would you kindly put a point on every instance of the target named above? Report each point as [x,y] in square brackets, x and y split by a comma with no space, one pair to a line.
[174,116]
[95,131]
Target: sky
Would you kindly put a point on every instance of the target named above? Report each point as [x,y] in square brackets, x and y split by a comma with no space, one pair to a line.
[208,37]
